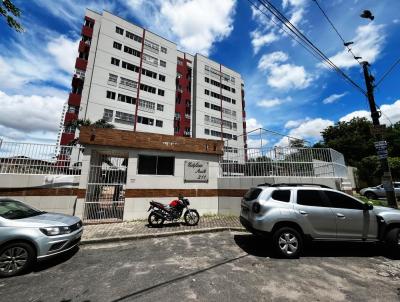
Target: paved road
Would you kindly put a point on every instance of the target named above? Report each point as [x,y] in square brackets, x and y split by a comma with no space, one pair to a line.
[209,267]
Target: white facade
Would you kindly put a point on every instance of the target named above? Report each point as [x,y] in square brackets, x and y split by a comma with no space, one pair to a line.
[112,76]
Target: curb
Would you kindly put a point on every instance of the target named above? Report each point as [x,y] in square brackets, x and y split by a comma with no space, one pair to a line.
[166,234]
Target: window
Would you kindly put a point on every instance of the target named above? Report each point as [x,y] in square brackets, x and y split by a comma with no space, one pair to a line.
[126,99]
[129,66]
[127,84]
[252,194]
[119,30]
[339,200]
[110,95]
[159,123]
[151,46]
[207,131]
[117,45]
[145,120]
[163,49]
[311,198]
[108,115]
[147,88]
[149,73]
[133,36]
[147,106]
[161,77]
[207,105]
[112,79]
[160,107]
[115,61]
[163,63]
[281,195]
[233,90]
[160,92]
[207,80]
[132,51]
[124,118]
[206,92]
[180,61]
[150,60]
[156,165]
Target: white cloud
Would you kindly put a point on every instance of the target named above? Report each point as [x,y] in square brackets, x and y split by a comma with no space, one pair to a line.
[395,21]
[390,114]
[359,113]
[295,123]
[309,130]
[31,113]
[64,51]
[35,59]
[267,31]
[258,39]
[252,124]
[368,43]
[269,103]
[195,25]
[283,76]
[333,98]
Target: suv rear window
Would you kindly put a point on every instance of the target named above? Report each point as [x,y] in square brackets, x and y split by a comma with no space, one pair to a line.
[252,194]
[281,195]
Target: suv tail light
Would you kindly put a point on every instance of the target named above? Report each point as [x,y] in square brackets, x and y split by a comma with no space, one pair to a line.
[256,207]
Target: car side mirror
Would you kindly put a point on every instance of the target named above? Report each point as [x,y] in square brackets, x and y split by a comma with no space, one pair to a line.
[368,206]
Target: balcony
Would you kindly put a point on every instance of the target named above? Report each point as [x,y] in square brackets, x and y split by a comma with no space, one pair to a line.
[81,64]
[74,99]
[66,138]
[84,46]
[70,116]
[87,31]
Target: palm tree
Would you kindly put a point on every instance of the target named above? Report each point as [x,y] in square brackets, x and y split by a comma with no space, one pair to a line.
[101,123]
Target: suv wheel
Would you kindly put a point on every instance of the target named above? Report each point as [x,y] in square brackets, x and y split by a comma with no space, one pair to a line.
[370,195]
[15,258]
[392,240]
[287,242]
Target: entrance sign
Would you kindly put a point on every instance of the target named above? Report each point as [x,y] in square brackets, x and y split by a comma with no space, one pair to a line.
[196,171]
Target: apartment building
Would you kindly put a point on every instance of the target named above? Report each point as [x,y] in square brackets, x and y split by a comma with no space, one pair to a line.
[140,81]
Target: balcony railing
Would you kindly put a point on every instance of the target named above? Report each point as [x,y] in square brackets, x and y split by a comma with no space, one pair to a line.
[81,63]
[74,99]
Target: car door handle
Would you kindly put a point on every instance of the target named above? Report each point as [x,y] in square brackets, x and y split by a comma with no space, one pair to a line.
[303,212]
[339,215]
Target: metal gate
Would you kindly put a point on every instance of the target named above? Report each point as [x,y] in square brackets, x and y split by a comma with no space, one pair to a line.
[105,192]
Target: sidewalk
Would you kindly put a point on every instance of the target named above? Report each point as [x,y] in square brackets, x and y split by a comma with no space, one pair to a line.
[138,229]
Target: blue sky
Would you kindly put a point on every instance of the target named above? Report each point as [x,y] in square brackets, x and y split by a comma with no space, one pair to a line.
[287,90]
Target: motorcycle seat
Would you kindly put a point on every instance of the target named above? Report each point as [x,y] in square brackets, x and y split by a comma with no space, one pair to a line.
[157,204]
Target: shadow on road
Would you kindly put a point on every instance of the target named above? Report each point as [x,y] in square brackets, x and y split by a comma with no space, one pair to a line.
[261,247]
[167,225]
[56,260]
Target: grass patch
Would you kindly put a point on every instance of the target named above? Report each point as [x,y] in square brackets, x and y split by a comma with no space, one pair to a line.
[375,202]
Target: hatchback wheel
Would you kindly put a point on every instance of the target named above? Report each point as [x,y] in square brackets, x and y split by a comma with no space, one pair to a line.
[287,242]
[370,195]
[392,240]
[15,258]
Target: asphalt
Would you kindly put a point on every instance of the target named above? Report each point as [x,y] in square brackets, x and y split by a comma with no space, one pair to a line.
[223,266]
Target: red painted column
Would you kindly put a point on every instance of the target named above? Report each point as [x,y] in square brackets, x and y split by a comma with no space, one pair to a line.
[220,97]
[139,78]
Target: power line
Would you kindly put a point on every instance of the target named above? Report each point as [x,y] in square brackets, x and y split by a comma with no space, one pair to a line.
[305,42]
[388,71]
[340,36]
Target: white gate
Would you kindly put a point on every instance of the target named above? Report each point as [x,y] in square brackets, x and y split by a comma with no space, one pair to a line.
[105,192]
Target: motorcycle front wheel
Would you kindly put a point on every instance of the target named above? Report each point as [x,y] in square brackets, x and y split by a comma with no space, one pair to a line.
[191,217]
[155,220]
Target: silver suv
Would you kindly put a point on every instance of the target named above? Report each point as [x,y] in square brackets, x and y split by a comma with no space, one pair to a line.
[27,235]
[291,213]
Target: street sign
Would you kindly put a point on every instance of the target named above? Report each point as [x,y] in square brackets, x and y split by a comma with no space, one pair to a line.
[381,149]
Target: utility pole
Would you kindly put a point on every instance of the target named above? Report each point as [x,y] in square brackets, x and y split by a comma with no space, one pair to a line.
[380,145]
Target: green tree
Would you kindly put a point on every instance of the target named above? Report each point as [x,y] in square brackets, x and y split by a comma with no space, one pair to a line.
[353,139]
[101,123]
[10,12]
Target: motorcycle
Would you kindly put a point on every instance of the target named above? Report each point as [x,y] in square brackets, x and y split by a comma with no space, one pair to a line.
[172,212]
